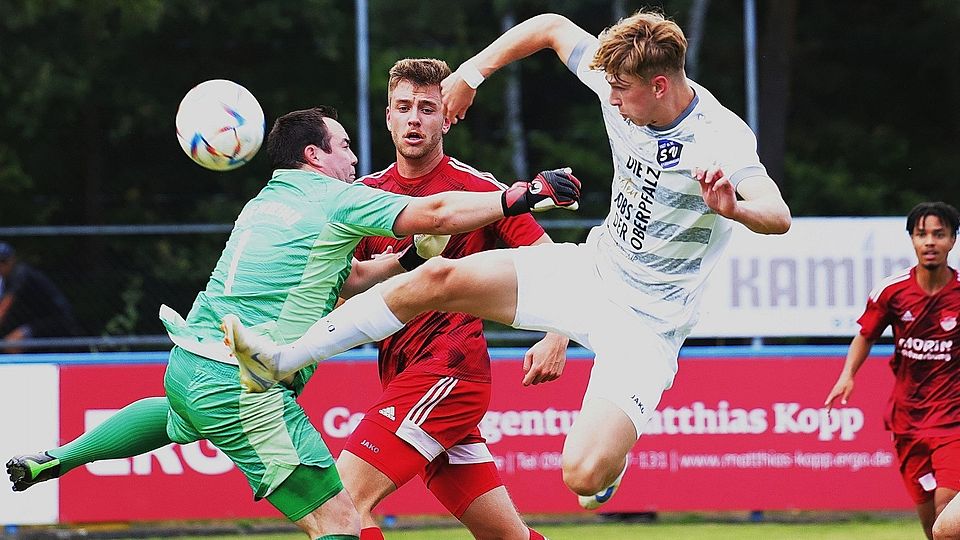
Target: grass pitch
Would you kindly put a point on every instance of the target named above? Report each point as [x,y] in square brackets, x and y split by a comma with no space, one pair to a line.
[902,528]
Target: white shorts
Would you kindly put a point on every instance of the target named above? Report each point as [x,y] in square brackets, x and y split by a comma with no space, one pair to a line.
[559,290]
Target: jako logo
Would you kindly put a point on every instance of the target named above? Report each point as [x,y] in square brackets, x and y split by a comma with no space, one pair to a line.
[205,459]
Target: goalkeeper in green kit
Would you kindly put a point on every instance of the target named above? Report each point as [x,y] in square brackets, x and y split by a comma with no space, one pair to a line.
[288,259]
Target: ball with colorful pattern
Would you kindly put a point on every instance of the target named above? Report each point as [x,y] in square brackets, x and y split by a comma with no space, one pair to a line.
[220,124]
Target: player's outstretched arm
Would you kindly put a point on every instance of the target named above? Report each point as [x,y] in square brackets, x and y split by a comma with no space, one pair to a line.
[548,30]
[856,354]
[762,209]
[454,212]
[366,274]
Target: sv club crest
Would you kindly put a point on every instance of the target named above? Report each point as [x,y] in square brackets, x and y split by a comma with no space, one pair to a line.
[668,153]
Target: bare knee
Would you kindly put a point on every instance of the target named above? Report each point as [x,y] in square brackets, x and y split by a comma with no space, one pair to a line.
[942,530]
[336,516]
[431,281]
[584,476]
[500,531]
[492,516]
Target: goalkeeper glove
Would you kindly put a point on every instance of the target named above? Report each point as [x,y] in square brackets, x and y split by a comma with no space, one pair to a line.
[558,188]
[425,246]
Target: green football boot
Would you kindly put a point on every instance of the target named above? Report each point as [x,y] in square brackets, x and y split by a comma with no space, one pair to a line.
[31,469]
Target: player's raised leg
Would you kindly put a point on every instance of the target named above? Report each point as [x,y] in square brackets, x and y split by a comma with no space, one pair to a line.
[137,428]
[483,284]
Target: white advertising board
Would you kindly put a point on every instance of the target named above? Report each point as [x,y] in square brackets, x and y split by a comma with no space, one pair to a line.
[812,281]
[30,404]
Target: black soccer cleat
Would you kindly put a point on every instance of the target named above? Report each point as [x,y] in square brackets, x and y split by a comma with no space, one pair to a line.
[31,469]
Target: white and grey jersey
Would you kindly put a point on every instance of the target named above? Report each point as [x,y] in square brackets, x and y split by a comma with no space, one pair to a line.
[660,241]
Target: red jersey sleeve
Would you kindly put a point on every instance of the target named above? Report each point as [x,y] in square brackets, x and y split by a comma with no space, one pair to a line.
[875,318]
[515,231]
[518,231]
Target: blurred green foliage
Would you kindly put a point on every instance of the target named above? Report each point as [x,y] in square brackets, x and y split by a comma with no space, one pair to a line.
[89,90]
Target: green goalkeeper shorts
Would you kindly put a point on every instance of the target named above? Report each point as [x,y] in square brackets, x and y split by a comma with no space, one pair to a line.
[267,435]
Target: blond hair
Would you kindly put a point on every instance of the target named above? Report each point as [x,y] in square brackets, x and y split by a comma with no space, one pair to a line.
[643,45]
[418,71]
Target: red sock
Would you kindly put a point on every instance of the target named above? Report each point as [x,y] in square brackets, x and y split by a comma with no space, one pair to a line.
[374,533]
[534,535]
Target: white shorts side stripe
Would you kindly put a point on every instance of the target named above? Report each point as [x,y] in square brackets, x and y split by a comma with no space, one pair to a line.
[429,408]
[426,396]
[418,413]
[413,435]
[466,454]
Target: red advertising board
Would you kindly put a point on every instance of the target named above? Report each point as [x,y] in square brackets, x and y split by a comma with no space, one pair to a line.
[732,434]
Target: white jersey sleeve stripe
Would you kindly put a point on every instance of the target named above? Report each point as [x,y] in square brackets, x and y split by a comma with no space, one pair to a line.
[892,280]
[485,176]
[377,174]
[747,172]
[576,56]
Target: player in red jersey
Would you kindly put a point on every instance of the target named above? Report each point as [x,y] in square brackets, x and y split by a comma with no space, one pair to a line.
[435,372]
[922,304]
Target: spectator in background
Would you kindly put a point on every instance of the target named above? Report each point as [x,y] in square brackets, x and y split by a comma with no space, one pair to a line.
[31,306]
[923,305]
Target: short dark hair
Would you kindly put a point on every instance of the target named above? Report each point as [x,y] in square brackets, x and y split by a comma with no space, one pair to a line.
[948,215]
[294,131]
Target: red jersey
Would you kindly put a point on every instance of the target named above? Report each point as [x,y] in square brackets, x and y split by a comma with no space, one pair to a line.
[926,395]
[449,344]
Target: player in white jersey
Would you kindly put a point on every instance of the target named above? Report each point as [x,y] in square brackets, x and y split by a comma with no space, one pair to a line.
[631,292]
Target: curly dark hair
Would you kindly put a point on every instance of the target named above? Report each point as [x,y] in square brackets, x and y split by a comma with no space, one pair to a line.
[948,215]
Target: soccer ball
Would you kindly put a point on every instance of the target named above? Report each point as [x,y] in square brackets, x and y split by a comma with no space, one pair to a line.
[220,124]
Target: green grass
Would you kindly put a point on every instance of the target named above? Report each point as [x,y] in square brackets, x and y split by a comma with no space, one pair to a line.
[894,529]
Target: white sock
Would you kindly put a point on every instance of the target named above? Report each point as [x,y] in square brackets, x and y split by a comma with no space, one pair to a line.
[362,319]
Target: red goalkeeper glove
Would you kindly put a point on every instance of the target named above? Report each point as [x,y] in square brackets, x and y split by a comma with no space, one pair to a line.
[558,188]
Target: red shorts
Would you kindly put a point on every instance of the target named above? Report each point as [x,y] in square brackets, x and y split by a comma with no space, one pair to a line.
[426,424]
[927,463]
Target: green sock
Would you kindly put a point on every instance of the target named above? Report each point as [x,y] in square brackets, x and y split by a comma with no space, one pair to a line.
[137,428]
[339,537]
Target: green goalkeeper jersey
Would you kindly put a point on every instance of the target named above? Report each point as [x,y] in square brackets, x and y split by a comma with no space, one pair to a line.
[286,259]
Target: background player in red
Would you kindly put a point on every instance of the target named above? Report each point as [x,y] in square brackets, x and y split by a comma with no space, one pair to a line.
[436,371]
[922,304]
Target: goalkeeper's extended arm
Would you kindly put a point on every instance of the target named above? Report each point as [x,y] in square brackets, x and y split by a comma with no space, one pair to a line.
[454,212]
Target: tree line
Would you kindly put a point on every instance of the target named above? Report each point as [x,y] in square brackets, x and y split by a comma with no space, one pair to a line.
[857,113]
